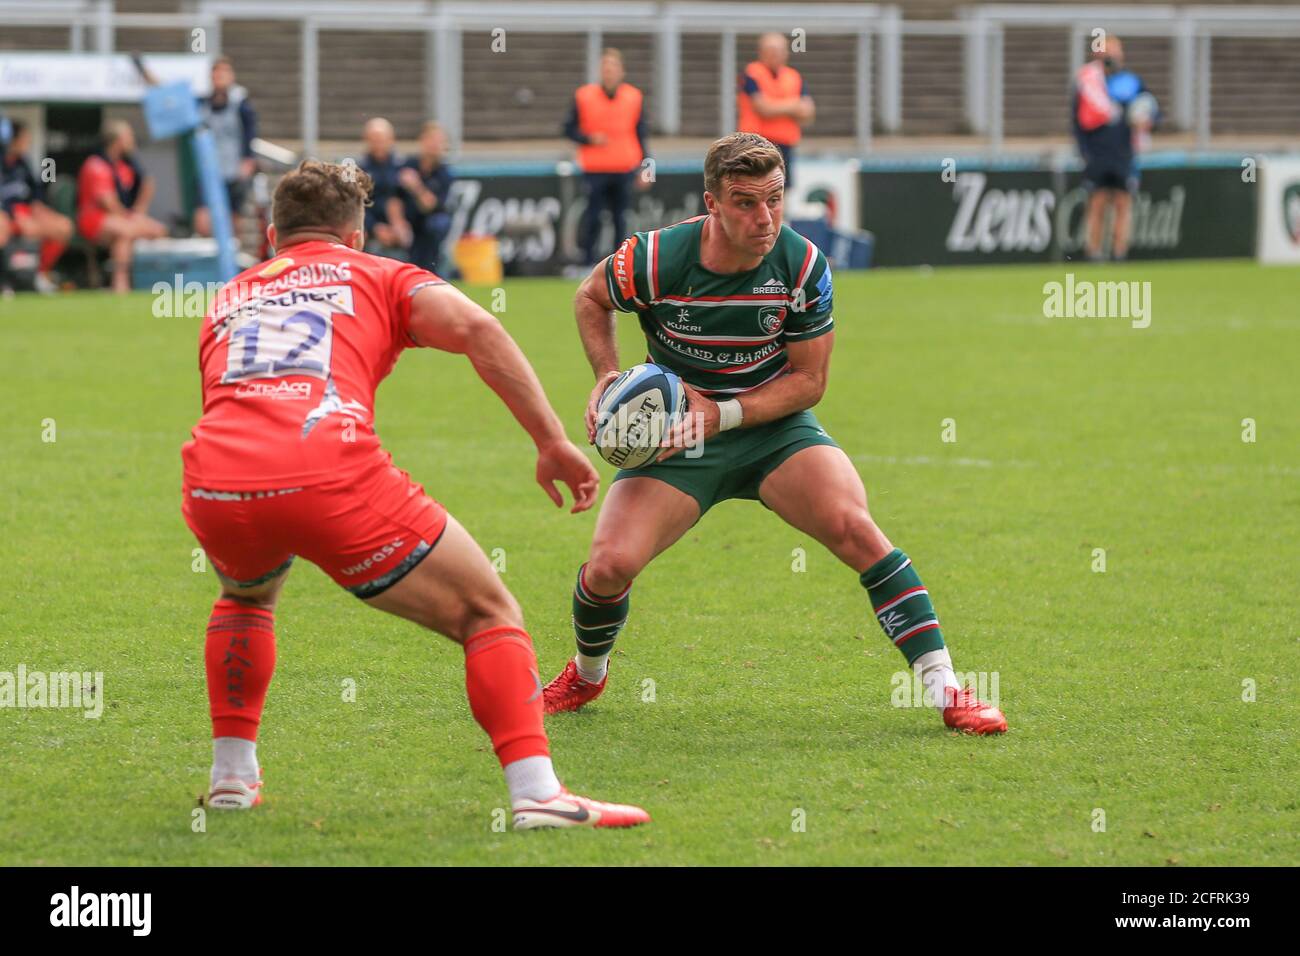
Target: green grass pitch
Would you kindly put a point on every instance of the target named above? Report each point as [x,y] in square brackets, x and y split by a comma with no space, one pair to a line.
[772,686]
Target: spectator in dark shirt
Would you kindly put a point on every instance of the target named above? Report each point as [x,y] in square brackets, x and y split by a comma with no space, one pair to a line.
[233,122]
[1099,118]
[22,197]
[608,124]
[385,222]
[426,187]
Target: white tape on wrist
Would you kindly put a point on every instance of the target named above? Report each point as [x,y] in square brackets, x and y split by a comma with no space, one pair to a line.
[730,414]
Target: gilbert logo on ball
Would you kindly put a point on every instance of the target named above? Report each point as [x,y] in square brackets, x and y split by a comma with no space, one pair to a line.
[636,412]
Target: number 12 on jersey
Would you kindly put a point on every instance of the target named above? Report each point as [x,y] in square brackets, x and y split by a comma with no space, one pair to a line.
[290,334]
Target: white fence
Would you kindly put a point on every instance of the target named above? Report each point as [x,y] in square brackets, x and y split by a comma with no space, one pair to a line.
[877,68]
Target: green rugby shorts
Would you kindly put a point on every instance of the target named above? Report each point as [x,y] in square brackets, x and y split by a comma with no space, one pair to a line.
[734,463]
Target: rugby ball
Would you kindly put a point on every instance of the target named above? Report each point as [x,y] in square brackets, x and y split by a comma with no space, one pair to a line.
[635,414]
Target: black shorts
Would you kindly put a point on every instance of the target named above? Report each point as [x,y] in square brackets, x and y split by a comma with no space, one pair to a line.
[1110,176]
[236,192]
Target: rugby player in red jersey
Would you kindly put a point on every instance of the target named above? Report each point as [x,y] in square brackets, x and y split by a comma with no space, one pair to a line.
[285,461]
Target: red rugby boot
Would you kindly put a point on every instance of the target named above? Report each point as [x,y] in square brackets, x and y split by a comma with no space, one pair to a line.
[570,691]
[962,711]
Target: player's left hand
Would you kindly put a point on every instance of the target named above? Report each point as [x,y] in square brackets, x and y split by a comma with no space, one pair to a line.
[701,422]
[562,461]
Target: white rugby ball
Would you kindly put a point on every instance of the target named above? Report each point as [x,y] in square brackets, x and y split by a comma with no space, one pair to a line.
[635,414]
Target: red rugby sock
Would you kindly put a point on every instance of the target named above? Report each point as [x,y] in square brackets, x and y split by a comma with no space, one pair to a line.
[51,252]
[240,655]
[505,692]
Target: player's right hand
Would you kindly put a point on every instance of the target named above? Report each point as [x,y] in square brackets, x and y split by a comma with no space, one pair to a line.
[602,383]
[562,461]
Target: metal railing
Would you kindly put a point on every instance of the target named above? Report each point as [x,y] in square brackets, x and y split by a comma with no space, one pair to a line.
[1190,28]
[877,67]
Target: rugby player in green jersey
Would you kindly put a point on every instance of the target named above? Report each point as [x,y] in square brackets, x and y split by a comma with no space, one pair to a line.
[739,306]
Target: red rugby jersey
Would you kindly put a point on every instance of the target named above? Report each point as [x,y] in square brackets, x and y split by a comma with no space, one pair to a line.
[291,352]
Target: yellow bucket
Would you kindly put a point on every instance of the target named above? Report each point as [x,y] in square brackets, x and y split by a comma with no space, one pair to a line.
[478,259]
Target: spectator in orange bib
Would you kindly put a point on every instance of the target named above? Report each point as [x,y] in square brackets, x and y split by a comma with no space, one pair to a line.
[607,123]
[113,197]
[773,99]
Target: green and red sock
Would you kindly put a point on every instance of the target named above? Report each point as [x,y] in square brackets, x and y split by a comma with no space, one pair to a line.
[902,605]
[597,619]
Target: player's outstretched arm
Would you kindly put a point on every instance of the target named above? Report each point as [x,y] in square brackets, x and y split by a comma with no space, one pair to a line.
[594,310]
[443,317]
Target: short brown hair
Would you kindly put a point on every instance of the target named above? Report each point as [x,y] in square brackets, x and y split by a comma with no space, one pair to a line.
[739,154]
[320,195]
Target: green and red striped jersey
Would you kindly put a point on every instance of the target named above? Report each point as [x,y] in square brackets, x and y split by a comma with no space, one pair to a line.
[724,334]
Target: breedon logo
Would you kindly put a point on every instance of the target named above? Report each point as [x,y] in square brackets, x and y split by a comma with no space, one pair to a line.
[1291,211]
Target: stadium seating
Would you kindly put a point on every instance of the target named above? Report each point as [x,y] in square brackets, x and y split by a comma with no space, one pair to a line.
[522,96]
